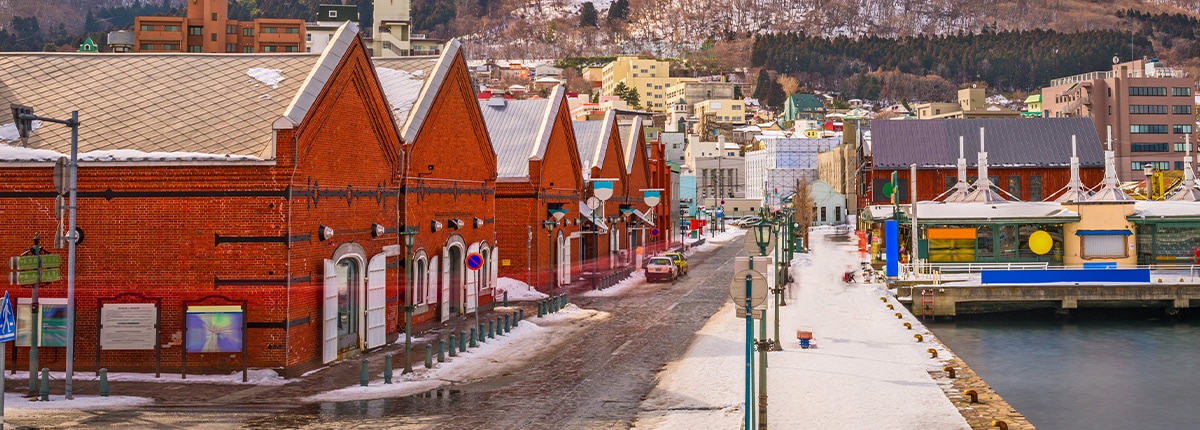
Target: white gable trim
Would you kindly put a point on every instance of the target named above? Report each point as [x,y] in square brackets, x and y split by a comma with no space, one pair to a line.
[416,116]
[319,76]
[633,144]
[543,137]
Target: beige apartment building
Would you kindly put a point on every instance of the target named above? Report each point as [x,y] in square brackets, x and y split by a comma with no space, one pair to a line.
[972,103]
[390,33]
[650,77]
[207,28]
[1148,105]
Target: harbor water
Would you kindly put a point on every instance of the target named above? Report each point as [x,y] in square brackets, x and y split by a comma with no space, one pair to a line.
[1096,369]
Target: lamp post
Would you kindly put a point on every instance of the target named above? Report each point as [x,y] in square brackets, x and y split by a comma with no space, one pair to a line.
[780,273]
[549,226]
[602,190]
[410,236]
[763,230]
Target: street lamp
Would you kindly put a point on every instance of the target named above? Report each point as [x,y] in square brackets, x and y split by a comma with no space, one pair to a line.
[780,271]
[410,238]
[23,119]
[763,230]
[602,190]
[549,225]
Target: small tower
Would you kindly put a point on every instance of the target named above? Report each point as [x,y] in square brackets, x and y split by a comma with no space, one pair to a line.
[89,46]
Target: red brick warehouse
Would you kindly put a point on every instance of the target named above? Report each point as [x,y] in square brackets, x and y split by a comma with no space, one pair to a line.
[276,187]
[601,155]
[449,183]
[539,174]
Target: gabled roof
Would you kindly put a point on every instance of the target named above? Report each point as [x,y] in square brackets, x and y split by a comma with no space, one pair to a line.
[1011,142]
[520,131]
[592,139]
[405,80]
[806,102]
[629,140]
[184,106]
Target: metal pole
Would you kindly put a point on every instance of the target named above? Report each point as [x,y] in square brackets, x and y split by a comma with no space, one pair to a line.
[35,314]
[763,345]
[912,203]
[408,308]
[749,348]
[71,238]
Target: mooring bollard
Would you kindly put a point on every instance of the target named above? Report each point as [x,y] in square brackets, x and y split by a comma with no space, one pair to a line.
[908,326]
[515,319]
[387,369]
[507,324]
[364,375]
[44,388]
[541,309]
[103,382]
[474,334]
[491,329]
[453,347]
[949,371]
[482,339]
[506,299]
[428,356]
[521,314]
[462,341]
[499,326]
[441,351]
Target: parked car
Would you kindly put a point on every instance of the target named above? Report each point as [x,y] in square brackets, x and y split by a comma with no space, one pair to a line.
[679,260]
[752,219]
[661,268]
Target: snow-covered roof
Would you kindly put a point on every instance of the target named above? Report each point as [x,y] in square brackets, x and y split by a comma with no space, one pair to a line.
[406,82]
[520,130]
[1165,209]
[161,106]
[983,212]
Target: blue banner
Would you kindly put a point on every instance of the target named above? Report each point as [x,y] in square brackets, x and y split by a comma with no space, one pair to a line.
[891,238]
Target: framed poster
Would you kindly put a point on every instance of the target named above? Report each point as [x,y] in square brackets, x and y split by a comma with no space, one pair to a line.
[52,330]
[214,328]
[128,326]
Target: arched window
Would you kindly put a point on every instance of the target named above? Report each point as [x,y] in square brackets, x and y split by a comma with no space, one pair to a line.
[349,277]
[420,277]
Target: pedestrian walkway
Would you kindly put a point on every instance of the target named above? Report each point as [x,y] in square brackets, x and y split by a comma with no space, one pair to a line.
[864,369]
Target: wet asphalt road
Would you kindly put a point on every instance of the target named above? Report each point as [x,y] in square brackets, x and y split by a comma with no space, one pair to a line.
[595,382]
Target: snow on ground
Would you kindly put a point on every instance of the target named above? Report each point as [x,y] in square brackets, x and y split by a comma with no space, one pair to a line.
[518,291]
[515,350]
[866,371]
[16,403]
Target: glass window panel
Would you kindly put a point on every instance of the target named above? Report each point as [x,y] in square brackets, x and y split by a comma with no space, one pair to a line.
[983,243]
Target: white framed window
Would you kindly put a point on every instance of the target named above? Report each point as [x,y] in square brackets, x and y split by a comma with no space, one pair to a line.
[419,278]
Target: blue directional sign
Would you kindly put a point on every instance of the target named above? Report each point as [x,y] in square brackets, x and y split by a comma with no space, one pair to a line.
[8,324]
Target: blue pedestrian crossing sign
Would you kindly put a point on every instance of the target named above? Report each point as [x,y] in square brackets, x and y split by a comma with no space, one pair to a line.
[8,324]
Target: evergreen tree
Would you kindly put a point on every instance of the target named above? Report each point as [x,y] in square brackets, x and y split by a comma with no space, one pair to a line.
[629,95]
[587,15]
[618,11]
[768,92]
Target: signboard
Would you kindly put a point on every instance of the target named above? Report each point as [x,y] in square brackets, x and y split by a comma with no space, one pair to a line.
[214,329]
[654,231]
[128,326]
[29,277]
[52,323]
[757,313]
[651,197]
[758,288]
[602,189]
[29,262]
[8,321]
[474,261]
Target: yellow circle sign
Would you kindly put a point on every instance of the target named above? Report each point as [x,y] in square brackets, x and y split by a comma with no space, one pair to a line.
[1040,242]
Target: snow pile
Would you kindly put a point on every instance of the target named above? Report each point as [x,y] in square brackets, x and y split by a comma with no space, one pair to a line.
[270,77]
[506,353]
[16,403]
[862,352]
[17,153]
[517,291]
[253,377]
[401,89]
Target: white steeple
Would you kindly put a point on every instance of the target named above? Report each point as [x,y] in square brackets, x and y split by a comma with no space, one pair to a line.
[1075,189]
[983,192]
[1111,189]
[1187,191]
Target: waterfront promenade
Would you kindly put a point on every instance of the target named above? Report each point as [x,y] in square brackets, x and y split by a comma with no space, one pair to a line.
[867,369]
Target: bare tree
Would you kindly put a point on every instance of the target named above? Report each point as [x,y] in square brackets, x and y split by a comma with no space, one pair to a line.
[804,206]
[789,84]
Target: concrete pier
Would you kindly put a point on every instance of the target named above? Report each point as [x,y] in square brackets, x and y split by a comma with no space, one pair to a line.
[949,300]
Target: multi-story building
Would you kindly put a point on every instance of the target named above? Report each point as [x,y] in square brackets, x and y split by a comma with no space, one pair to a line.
[1148,105]
[718,114]
[329,17]
[972,103]
[776,170]
[691,91]
[391,29]
[207,28]
[649,77]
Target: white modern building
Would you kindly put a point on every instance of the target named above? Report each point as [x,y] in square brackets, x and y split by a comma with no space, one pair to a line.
[329,18]
[773,172]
